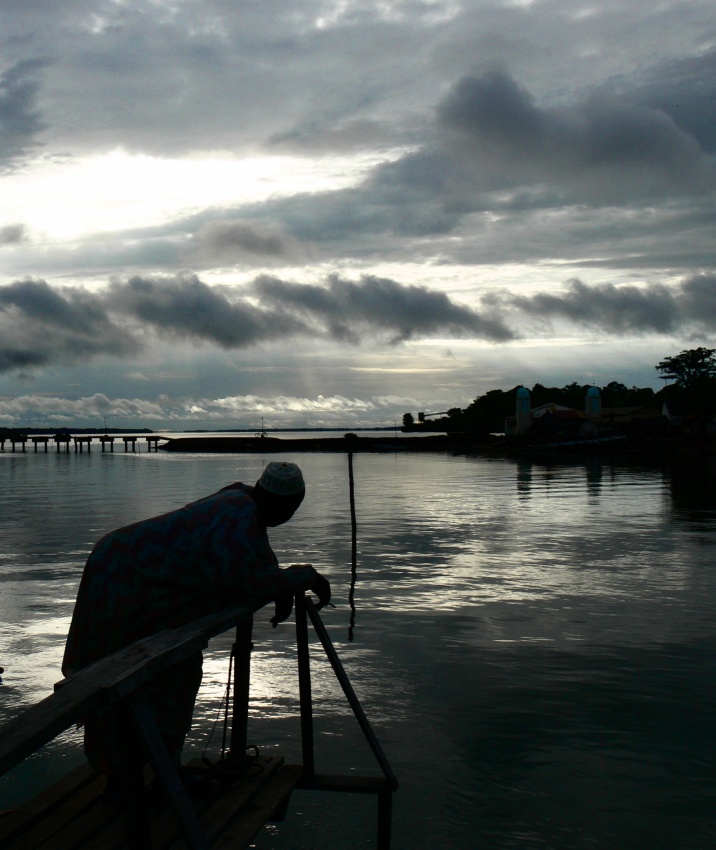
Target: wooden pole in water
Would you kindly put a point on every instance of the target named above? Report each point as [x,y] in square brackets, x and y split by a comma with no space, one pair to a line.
[354,546]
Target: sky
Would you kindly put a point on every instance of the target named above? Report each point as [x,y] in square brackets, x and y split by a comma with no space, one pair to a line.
[327,214]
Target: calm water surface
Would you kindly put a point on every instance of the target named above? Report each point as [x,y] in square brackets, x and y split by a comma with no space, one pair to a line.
[534,644]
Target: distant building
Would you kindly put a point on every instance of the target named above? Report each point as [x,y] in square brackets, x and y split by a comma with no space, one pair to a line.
[555,423]
[523,413]
[593,405]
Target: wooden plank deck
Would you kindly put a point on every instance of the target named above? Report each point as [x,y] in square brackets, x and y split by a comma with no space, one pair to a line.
[73,814]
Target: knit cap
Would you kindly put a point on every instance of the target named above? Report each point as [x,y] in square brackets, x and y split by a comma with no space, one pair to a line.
[282,479]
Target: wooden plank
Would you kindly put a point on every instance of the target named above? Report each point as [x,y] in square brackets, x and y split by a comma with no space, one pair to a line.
[272,799]
[45,802]
[218,808]
[238,796]
[112,834]
[71,814]
[80,831]
[50,829]
[105,682]
[216,805]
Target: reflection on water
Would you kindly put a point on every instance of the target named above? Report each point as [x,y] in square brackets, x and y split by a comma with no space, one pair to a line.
[533,643]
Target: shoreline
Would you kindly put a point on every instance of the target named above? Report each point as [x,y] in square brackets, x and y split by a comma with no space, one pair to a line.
[349,443]
[651,452]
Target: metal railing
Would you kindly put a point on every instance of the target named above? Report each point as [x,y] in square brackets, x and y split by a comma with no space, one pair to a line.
[116,681]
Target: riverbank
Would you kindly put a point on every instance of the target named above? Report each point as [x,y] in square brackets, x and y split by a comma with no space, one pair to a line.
[624,449]
[346,443]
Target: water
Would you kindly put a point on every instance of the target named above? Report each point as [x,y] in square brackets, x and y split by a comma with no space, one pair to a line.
[534,645]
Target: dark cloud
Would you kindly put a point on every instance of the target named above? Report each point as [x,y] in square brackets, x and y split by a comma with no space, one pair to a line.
[342,310]
[494,110]
[236,239]
[12,359]
[183,306]
[351,309]
[74,311]
[685,90]
[603,149]
[689,306]
[375,308]
[497,150]
[698,299]
[40,325]
[13,234]
[412,197]
[20,120]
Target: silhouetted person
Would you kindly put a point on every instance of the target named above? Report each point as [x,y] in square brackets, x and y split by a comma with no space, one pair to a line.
[167,571]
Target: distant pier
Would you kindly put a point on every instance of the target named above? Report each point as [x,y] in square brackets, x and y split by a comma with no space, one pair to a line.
[18,442]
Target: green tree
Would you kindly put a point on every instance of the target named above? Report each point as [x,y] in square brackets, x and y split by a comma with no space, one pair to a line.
[694,389]
[487,412]
[690,367]
[615,394]
[408,421]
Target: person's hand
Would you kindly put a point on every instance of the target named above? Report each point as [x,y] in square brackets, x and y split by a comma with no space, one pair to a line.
[314,582]
[321,587]
[282,611]
[284,602]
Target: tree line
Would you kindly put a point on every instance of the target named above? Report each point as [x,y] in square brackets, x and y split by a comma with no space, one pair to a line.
[692,391]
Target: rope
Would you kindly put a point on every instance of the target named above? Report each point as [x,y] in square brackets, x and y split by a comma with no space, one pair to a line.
[225,702]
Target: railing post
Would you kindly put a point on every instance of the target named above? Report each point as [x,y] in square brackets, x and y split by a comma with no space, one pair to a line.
[350,694]
[166,772]
[241,652]
[131,784]
[304,686]
[385,819]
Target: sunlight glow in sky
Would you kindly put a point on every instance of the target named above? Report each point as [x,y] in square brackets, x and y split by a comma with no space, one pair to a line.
[119,191]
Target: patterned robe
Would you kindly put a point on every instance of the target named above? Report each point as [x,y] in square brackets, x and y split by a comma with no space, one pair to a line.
[163,573]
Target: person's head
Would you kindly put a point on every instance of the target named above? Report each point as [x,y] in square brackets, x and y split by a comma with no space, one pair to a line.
[278,492]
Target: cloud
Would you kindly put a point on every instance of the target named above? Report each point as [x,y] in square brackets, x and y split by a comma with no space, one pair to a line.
[236,239]
[233,406]
[57,409]
[40,325]
[689,306]
[321,410]
[183,305]
[685,89]
[350,309]
[395,204]
[492,148]
[341,310]
[12,359]
[603,149]
[36,301]
[200,76]
[20,121]
[13,234]
[319,137]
